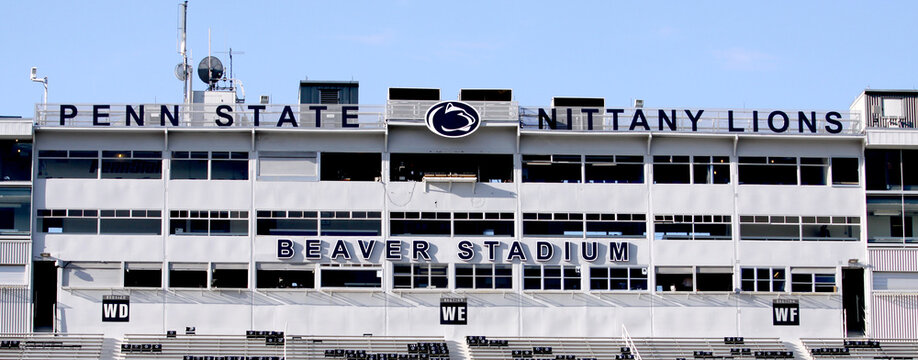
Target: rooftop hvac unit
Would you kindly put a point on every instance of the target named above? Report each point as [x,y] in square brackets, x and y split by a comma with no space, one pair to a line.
[264,99]
[638,103]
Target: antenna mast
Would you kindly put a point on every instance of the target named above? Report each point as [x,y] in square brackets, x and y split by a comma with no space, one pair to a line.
[183,23]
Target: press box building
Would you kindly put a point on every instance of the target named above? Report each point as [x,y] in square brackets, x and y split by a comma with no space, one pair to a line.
[470,217]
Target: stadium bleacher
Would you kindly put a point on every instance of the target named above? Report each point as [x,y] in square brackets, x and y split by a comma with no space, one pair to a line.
[50,346]
[862,349]
[500,348]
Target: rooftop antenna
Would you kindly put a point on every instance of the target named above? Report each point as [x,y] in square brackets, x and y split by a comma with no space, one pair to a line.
[183,69]
[232,78]
[34,77]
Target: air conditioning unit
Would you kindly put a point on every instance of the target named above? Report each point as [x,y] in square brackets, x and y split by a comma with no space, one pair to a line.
[638,103]
[264,99]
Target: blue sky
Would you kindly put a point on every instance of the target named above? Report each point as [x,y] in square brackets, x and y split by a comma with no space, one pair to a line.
[700,54]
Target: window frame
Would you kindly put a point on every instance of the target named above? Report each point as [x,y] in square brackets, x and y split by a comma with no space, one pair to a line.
[629,279]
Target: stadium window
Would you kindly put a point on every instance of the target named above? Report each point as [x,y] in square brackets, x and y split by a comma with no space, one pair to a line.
[775,228]
[494,168]
[78,274]
[616,169]
[834,228]
[419,223]
[485,224]
[675,278]
[61,221]
[130,222]
[64,164]
[898,281]
[484,276]
[760,170]
[883,169]
[223,165]
[15,160]
[551,277]
[143,275]
[187,275]
[711,169]
[763,279]
[892,219]
[910,169]
[132,164]
[616,225]
[813,171]
[15,210]
[553,224]
[230,276]
[350,276]
[420,276]
[714,278]
[671,169]
[213,222]
[286,165]
[692,227]
[351,166]
[552,168]
[351,223]
[284,276]
[618,278]
[191,165]
[229,165]
[282,222]
[813,280]
[845,171]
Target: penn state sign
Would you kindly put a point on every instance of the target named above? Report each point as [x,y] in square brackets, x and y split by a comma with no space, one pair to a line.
[452,119]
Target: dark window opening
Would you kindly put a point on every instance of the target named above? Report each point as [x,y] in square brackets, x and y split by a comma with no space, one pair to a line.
[760,170]
[131,226]
[484,276]
[287,227]
[883,169]
[713,279]
[15,160]
[620,169]
[67,168]
[813,171]
[419,227]
[351,278]
[483,167]
[188,278]
[351,166]
[845,171]
[484,227]
[230,278]
[352,227]
[143,278]
[674,280]
[671,170]
[711,169]
[551,168]
[282,279]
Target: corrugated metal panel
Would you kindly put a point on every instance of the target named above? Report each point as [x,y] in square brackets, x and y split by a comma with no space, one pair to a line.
[895,316]
[894,259]
[910,104]
[14,310]
[14,251]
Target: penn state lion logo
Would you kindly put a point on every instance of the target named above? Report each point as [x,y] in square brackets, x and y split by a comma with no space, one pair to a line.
[452,119]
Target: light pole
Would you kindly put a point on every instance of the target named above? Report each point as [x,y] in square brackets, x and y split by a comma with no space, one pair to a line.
[34,77]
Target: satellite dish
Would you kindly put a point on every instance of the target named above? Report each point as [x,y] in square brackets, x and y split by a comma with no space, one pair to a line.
[180,74]
[210,70]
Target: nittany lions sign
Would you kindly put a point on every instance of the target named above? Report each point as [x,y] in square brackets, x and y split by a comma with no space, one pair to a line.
[452,119]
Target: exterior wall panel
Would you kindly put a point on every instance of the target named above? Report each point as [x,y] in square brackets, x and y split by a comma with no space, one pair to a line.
[894,259]
[14,310]
[14,252]
[895,316]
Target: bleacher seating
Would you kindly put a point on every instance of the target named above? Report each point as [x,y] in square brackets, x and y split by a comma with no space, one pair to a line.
[481,348]
[50,346]
[367,348]
[862,349]
[251,346]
